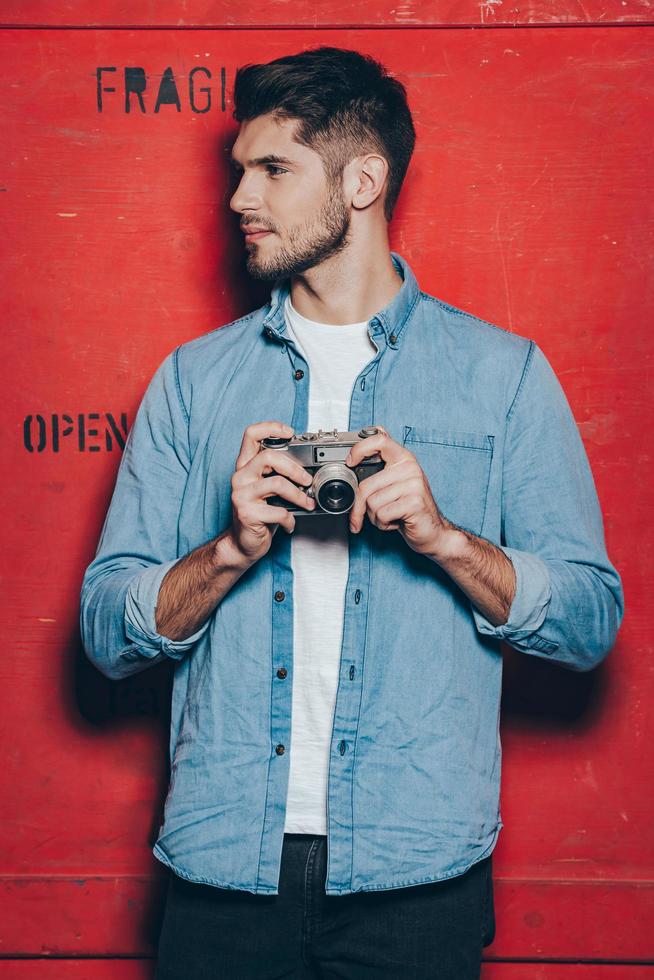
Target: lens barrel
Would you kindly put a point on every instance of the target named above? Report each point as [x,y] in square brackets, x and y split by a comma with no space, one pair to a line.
[334,487]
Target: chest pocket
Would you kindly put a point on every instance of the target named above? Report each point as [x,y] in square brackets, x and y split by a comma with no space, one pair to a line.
[457,465]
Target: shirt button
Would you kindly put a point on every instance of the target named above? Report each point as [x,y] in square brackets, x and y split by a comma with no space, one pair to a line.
[393,338]
[280,596]
[282,672]
[279,749]
[299,374]
[268,332]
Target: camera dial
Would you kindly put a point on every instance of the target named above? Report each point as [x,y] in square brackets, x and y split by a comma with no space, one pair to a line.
[275,442]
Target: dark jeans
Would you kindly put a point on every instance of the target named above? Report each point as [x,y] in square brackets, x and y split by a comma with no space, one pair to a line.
[431,931]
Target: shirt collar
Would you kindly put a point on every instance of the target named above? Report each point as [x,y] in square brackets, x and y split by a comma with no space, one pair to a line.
[391,320]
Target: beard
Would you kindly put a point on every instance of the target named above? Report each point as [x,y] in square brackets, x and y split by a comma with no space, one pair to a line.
[309,244]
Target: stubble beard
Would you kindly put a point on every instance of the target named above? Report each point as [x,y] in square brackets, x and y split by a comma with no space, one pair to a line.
[326,235]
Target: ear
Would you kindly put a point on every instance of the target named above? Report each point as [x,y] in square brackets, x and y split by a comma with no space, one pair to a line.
[365,179]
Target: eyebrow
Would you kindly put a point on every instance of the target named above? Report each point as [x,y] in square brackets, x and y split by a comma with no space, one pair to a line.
[259,161]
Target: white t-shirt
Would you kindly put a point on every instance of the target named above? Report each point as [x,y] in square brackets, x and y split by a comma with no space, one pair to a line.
[335,353]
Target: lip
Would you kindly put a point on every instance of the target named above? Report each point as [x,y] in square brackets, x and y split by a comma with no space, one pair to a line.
[259,233]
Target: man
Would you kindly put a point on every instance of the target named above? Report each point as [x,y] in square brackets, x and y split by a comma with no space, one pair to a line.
[335,760]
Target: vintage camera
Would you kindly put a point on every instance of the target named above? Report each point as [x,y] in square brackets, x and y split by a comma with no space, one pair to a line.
[322,454]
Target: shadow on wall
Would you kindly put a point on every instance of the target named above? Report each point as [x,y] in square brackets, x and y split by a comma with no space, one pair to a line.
[246,292]
[540,695]
[536,693]
[110,703]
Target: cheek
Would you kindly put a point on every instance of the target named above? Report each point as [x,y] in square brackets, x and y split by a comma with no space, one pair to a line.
[299,207]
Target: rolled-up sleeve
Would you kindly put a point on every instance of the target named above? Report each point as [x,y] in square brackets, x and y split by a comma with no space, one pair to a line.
[140,608]
[139,539]
[568,603]
[530,602]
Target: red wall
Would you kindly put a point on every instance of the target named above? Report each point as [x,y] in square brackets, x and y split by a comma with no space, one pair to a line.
[528,202]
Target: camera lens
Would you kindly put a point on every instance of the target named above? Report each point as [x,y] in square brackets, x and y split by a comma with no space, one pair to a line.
[334,487]
[336,496]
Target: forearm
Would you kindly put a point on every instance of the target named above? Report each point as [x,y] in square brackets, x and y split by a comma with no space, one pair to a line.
[482,571]
[195,586]
[582,604]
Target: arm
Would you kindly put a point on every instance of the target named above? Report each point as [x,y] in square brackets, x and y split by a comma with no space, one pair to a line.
[139,606]
[480,570]
[549,589]
[568,602]
[195,585]
[139,537]
[138,544]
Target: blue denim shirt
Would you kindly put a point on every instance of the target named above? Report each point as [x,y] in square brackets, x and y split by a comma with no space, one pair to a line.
[414,767]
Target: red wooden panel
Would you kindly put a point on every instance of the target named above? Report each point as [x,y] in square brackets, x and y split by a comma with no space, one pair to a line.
[87,916]
[387,13]
[526,203]
[101,916]
[124,969]
[568,920]
[565,971]
[61,969]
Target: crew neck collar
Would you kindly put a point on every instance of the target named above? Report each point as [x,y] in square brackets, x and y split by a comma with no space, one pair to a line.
[319,324]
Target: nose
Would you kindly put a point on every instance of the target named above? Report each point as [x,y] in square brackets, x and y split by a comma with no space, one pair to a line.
[245,197]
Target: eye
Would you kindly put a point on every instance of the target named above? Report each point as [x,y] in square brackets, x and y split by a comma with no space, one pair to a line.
[270,167]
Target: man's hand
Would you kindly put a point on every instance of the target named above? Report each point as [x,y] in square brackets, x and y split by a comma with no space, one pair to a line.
[193,587]
[254,521]
[398,497]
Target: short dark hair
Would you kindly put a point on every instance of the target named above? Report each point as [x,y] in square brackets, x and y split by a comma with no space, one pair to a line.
[346,103]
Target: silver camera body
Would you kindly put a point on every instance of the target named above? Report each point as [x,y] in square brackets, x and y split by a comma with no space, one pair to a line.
[322,454]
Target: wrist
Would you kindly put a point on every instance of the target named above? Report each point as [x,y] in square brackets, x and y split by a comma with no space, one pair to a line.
[227,556]
[451,544]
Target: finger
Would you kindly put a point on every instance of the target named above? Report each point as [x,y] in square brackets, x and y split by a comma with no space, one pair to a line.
[281,461]
[393,474]
[270,461]
[388,477]
[358,509]
[270,514]
[361,506]
[251,442]
[387,495]
[279,486]
[389,450]
[391,515]
[373,501]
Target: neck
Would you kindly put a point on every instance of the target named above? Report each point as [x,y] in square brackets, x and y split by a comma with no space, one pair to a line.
[348,287]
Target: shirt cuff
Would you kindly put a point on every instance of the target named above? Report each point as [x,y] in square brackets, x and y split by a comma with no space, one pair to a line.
[532,598]
[140,605]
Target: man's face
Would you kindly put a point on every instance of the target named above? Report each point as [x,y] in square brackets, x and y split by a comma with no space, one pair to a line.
[306,220]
